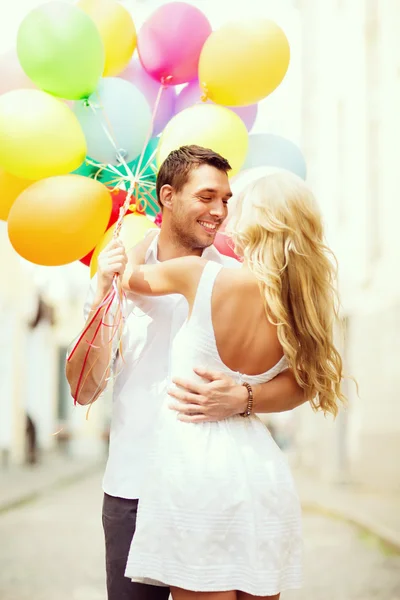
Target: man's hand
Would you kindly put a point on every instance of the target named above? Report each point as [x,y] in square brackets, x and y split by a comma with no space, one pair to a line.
[219,398]
[112,261]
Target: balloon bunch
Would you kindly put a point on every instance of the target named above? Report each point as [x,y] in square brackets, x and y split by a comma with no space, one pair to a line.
[90,108]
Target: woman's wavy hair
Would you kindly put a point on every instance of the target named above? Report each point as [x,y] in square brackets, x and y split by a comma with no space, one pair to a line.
[277,229]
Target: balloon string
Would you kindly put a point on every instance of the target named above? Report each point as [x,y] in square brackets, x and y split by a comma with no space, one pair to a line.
[124,208]
[90,346]
[104,303]
[105,377]
[163,86]
[117,328]
[204,97]
[134,178]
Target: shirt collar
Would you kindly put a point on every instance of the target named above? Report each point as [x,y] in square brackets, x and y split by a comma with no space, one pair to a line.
[210,253]
[152,251]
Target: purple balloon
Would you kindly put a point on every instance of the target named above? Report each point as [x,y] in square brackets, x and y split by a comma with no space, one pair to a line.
[170,41]
[135,74]
[191,94]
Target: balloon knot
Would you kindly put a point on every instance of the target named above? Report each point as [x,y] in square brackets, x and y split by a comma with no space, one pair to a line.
[121,154]
[165,81]
[204,96]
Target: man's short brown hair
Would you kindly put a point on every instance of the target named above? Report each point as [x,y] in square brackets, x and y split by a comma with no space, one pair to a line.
[176,168]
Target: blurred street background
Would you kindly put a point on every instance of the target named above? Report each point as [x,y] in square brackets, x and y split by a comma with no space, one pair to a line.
[340,103]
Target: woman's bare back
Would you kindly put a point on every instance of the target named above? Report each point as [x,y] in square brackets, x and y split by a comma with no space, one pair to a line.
[246,341]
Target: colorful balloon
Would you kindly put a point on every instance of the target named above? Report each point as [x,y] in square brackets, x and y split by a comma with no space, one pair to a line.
[119,108]
[147,194]
[266,149]
[58,220]
[210,126]
[148,173]
[117,31]
[170,42]
[10,189]
[61,51]
[247,176]
[242,63]
[134,228]
[192,93]
[224,245]
[150,88]
[39,135]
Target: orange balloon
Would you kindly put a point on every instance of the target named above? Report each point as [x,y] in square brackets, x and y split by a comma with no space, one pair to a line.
[10,189]
[134,228]
[58,220]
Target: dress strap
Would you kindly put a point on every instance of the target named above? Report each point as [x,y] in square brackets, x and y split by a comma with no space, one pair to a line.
[202,303]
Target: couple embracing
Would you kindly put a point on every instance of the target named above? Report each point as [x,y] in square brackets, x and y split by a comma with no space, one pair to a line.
[199,500]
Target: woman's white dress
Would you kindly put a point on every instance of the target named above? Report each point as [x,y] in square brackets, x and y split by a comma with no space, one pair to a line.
[219,510]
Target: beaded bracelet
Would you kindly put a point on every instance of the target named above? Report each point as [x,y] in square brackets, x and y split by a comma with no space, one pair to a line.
[249,408]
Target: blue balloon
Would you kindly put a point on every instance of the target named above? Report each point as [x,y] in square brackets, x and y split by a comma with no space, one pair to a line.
[117,119]
[268,150]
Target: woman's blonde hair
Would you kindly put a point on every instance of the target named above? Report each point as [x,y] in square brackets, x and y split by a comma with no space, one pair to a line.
[277,228]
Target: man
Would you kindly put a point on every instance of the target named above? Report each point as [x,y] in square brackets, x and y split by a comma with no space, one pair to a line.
[193,191]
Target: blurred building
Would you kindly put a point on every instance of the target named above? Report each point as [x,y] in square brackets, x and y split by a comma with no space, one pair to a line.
[40,312]
[350,137]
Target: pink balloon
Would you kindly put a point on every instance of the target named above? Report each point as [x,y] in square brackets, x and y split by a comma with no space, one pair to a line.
[135,74]
[224,245]
[170,42]
[12,75]
[191,94]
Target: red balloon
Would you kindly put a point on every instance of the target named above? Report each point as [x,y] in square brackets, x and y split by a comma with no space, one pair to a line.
[224,245]
[118,198]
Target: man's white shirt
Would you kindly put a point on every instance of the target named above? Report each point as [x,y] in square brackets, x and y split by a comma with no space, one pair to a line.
[141,378]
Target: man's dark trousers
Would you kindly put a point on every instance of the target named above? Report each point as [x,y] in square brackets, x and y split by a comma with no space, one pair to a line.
[119,522]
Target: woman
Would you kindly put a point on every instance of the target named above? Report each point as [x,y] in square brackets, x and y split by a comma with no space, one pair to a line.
[219,512]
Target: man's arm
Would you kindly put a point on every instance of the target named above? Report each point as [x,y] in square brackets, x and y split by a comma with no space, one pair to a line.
[87,369]
[221,397]
[87,366]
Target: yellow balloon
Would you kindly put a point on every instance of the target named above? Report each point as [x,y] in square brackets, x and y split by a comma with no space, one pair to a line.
[117,30]
[134,228]
[39,135]
[242,63]
[10,189]
[58,220]
[210,126]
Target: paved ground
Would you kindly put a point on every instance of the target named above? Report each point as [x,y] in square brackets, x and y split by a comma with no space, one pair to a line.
[52,549]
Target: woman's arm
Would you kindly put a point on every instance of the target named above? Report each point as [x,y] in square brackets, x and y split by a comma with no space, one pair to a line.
[175,276]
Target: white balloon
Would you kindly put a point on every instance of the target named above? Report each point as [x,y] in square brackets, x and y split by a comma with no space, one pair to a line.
[247,176]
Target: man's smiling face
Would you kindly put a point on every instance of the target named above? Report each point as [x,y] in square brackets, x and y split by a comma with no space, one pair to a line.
[200,207]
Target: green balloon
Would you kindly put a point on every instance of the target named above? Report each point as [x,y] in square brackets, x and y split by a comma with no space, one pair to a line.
[60,49]
[149,174]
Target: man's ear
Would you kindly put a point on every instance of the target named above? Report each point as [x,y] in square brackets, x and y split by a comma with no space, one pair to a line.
[166,193]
